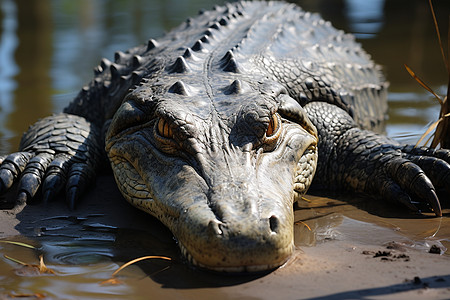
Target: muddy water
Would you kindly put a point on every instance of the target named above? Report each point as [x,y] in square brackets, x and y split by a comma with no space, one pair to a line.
[323,218]
[47,52]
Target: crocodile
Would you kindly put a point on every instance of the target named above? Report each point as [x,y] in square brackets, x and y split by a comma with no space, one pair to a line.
[218,127]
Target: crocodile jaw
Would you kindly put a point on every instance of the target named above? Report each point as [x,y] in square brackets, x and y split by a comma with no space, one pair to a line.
[231,211]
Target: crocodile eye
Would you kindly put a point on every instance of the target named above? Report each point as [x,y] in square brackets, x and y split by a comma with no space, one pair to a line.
[163,133]
[164,129]
[274,129]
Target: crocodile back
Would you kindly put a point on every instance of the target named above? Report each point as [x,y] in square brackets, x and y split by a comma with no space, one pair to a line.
[250,41]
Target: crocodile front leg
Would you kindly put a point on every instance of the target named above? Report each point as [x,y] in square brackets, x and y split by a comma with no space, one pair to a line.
[59,151]
[354,159]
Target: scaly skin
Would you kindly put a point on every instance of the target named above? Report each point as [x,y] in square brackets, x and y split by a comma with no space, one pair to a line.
[215,130]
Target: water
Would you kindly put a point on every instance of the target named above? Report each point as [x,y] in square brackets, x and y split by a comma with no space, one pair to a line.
[47,52]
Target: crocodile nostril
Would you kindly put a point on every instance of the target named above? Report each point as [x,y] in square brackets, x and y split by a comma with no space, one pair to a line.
[274,224]
[216,227]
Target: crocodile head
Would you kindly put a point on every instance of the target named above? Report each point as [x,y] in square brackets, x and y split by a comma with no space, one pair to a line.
[220,169]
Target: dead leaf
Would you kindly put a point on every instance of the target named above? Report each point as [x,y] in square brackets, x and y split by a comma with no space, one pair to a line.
[18,244]
[111,281]
[35,295]
[303,223]
[31,269]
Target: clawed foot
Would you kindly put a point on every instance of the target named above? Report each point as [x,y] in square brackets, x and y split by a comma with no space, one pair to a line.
[61,151]
[413,177]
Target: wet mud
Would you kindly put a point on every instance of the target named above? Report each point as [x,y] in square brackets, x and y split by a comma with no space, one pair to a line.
[341,251]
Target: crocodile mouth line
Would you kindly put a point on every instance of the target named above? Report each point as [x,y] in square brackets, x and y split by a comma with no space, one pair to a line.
[243,269]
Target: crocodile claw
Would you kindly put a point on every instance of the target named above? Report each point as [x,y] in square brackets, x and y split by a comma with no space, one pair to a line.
[77,182]
[411,177]
[437,169]
[12,167]
[22,197]
[424,189]
[32,175]
[392,191]
[51,187]
[55,178]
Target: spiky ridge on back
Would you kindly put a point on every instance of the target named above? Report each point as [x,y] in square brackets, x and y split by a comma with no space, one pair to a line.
[237,44]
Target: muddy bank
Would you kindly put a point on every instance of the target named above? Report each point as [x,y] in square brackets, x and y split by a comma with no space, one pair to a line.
[342,252]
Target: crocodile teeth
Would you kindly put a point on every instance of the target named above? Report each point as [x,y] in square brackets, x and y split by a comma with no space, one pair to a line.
[187,256]
[237,269]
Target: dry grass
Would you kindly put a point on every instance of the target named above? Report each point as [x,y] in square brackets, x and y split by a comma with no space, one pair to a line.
[114,281]
[441,135]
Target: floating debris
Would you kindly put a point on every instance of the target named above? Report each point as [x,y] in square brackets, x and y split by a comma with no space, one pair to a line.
[114,281]
[28,296]
[31,269]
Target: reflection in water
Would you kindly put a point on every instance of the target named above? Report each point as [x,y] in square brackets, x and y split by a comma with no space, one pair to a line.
[410,114]
[32,94]
[8,44]
[365,17]
[77,278]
